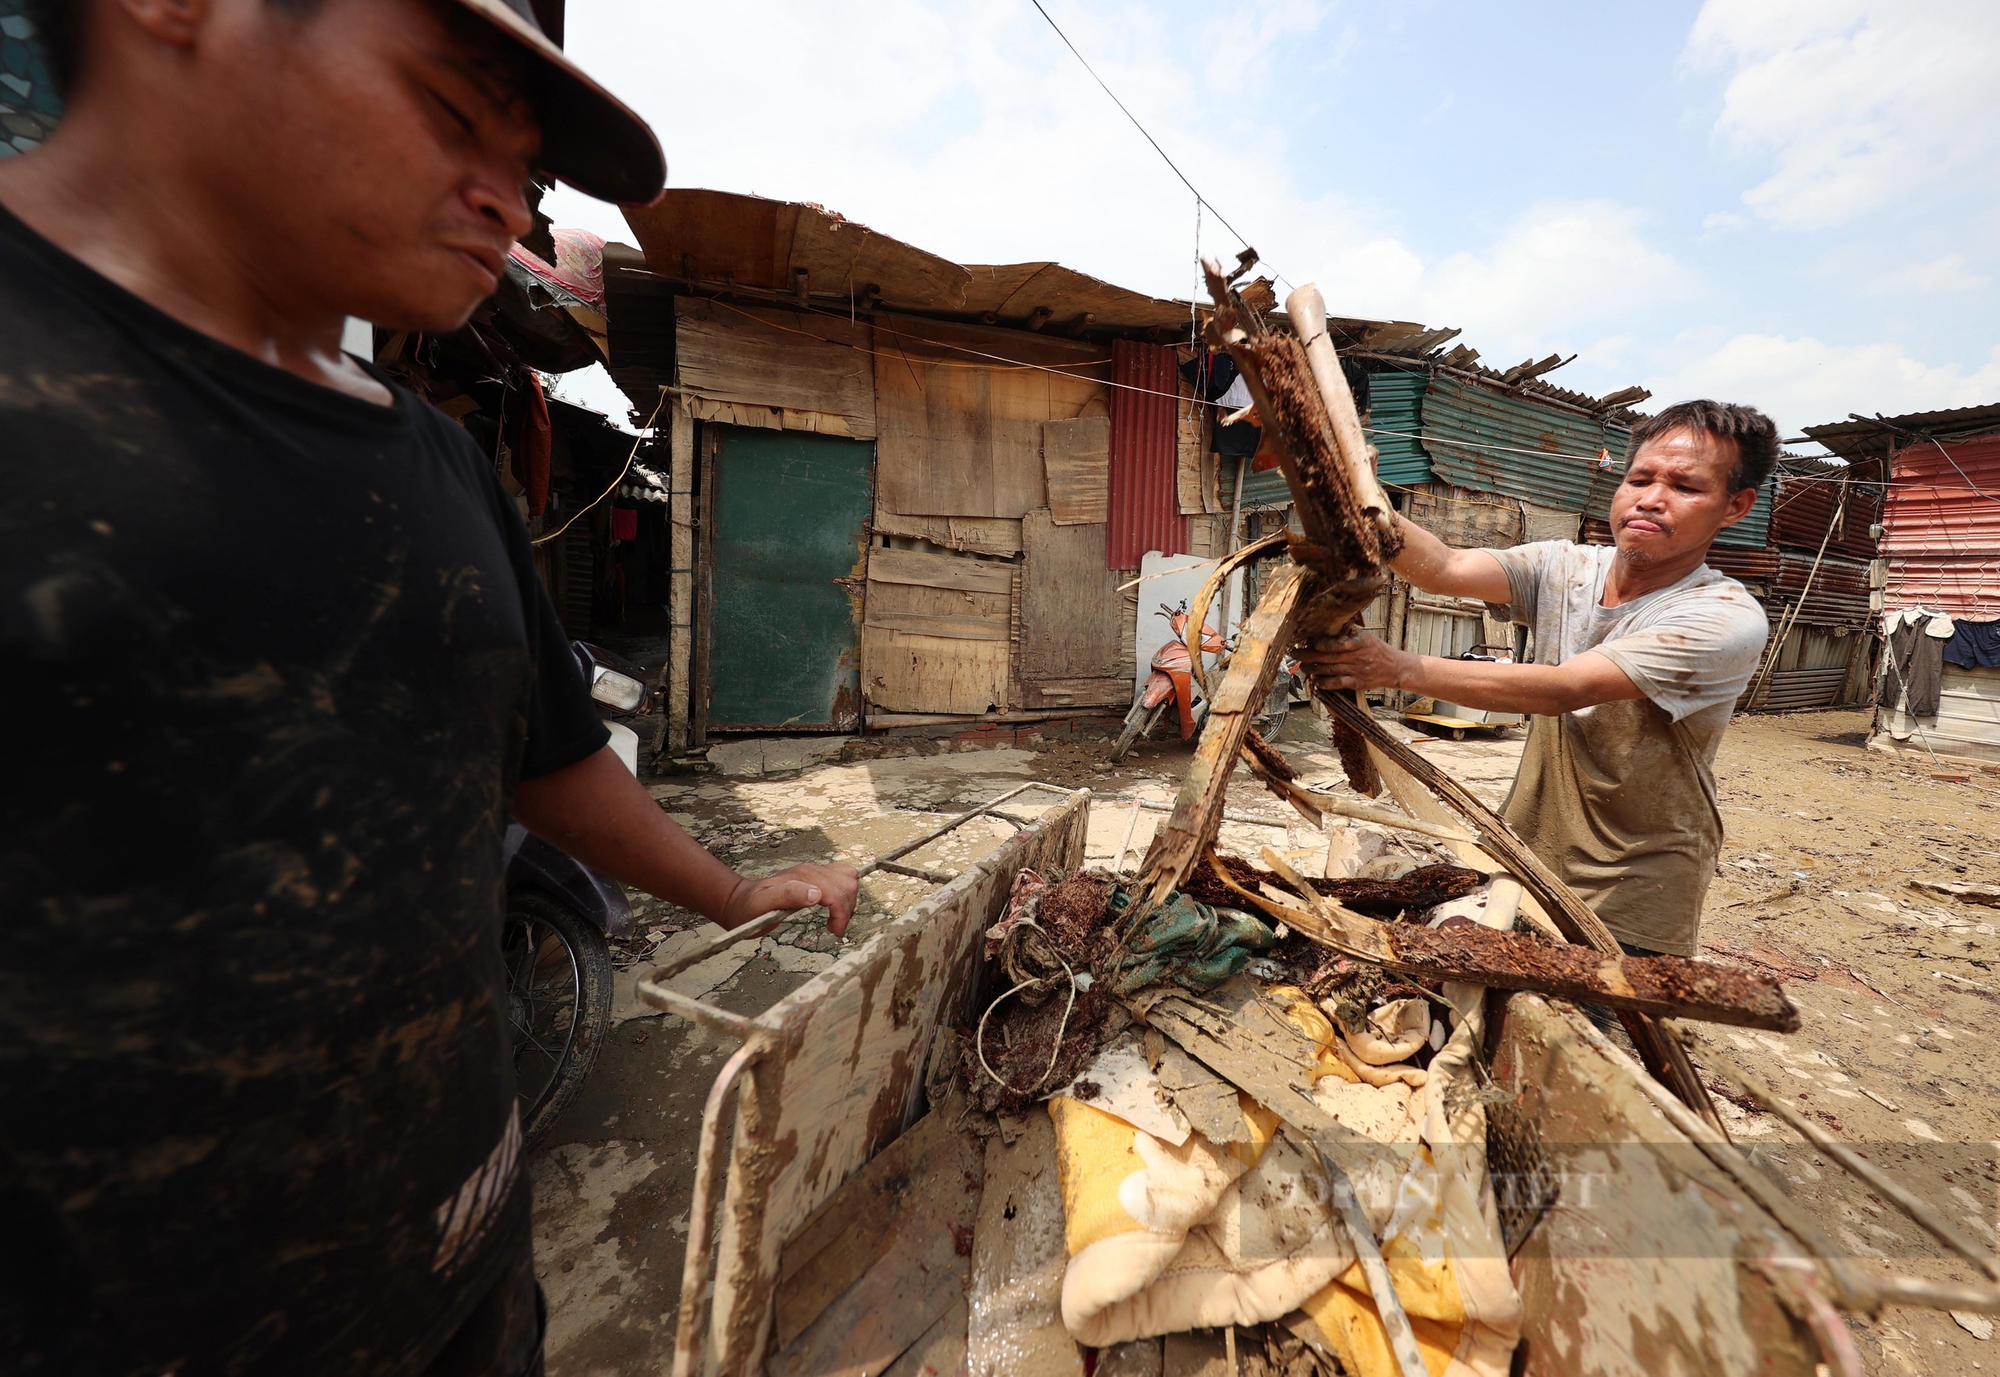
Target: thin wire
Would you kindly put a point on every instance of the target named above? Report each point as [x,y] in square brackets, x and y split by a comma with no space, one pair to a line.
[1425,437]
[645,433]
[1142,130]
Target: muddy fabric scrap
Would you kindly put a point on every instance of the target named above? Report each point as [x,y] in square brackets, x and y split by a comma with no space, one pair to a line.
[1195,945]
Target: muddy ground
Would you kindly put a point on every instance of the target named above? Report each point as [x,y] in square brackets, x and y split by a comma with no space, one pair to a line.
[1894,986]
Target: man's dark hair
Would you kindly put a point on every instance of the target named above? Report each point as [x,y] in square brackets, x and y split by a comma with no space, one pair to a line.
[1754,434]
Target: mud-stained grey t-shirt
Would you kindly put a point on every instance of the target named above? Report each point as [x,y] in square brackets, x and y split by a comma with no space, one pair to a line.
[1620,798]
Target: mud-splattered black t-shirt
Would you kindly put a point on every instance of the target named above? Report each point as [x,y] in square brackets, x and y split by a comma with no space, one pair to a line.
[272,660]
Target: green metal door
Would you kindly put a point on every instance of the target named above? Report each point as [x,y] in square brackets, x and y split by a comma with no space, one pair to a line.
[789,518]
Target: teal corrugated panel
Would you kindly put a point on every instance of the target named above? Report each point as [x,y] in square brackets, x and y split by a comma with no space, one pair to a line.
[1265,488]
[1528,449]
[1754,529]
[1395,402]
[1498,442]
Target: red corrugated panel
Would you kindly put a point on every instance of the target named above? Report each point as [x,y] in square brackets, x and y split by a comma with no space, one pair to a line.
[1953,584]
[1937,504]
[1942,531]
[1805,507]
[1145,498]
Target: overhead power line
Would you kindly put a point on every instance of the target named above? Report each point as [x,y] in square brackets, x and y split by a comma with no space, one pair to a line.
[1144,132]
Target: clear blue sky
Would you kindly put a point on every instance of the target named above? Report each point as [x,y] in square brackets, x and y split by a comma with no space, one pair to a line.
[1785,202]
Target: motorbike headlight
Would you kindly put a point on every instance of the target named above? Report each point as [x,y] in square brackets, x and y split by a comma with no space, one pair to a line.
[620,691]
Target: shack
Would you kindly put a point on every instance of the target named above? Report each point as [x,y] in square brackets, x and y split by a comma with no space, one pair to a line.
[1936,585]
[1814,584]
[902,491]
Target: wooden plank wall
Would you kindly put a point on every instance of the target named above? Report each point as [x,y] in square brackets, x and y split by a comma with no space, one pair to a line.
[1070,625]
[776,369]
[960,434]
[976,440]
[1076,458]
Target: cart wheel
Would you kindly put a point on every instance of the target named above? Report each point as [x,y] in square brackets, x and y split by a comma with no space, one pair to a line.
[1458,733]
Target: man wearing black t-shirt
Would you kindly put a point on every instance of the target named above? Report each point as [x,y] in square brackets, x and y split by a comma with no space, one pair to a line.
[277,664]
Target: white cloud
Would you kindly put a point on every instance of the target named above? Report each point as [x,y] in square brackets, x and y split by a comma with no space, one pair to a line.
[1945,274]
[1558,274]
[971,131]
[1805,381]
[1857,102]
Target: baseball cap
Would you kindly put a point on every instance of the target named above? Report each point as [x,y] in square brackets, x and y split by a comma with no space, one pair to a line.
[590,138]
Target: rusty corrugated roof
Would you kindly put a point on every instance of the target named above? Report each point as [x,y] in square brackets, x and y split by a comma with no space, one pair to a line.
[1869,438]
[1144,495]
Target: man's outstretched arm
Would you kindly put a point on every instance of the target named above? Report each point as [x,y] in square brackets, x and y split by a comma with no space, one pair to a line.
[1361,661]
[1436,567]
[599,814]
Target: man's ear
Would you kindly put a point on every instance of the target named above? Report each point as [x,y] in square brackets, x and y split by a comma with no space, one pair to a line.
[1740,503]
[174,22]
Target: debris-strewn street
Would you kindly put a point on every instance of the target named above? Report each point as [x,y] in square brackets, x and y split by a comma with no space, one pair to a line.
[1824,838]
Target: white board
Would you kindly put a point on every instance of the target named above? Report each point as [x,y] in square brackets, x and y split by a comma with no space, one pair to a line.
[1180,578]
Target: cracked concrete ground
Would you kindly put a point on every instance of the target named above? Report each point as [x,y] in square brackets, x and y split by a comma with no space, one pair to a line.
[1822,839]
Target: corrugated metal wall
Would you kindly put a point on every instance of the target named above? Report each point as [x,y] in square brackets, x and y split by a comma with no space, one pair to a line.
[1941,532]
[1805,507]
[1498,442]
[1395,404]
[1525,448]
[1839,593]
[1401,460]
[1145,500]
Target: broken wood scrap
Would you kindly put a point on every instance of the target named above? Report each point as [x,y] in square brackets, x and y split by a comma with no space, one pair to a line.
[1659,1047]
[1197,814]
[1279,776]
[884,1258]
[1476,955]
[1422,888]
[1295,415]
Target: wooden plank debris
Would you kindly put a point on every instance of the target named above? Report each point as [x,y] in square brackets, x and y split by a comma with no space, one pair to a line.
[907,1266]
[926,1181]
[1660,1048]
[1014,1326]
[1662,986]
[1197,814]
[1076,460]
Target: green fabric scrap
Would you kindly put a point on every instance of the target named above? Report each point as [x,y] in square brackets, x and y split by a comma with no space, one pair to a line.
[1188,942]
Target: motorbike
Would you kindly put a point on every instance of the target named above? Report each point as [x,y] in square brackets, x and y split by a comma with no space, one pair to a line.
[555,937]
[1172,677]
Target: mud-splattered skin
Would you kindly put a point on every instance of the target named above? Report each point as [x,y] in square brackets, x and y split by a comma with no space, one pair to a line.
[270,663]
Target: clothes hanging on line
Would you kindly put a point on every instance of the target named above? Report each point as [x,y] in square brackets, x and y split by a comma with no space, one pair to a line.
[1916,658]
[1973,645]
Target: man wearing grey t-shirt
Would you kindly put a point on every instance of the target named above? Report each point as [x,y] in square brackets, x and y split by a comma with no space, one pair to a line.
[1641,652]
